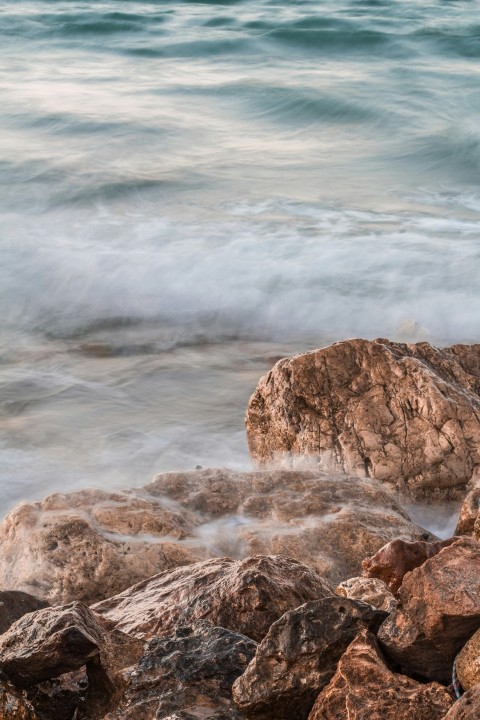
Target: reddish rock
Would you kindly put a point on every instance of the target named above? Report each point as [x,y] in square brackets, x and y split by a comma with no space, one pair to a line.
[468,663]
[244,596]
[368,590]
[394,560]
[468,513]
[467,708]
[439,611]
[13,705]
[298,657]
[187,675]
[363,688]
[14,605]
[407,414]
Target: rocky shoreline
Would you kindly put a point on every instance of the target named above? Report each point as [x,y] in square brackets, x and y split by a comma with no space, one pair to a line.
[299,591]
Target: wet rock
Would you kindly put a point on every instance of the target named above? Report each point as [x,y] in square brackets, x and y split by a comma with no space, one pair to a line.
[15,604]
[406,414]
[467,708]
[244,596]
[298,657]
[13,705]
[364,688]
[468,663]
[468,513]
[394,560]
[93,544]
[368,590]
[439,611]
[187,675]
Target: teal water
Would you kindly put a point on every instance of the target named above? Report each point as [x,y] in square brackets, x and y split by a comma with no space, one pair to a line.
[189,190]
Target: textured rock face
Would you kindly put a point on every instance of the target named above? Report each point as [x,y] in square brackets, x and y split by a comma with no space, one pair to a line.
[13,706]
[14,604]
[299,656]
[405,414]
[467,708]
[394,560]
[91,545]
[439,611]
[369,590]
[468,513]
[363,688]
[468,663]
[188,674]
[244,596]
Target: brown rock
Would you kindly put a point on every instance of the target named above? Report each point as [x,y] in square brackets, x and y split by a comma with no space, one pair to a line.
[363,688]
[405,414]
[468,663]
[13,705]
[368,590]
[396,558]
[244,596]
[467,708]
[298,657]
[14,604]
[439,611]
[468,513]
[187,675]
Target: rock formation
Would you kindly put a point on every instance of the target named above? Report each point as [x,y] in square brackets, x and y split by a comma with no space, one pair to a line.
[468,663]
[13,705]
[368,590]
[392,562]
[364,688]
[15,604]
[439,611]
[93,544]
[468,513]
[408,415]
[467,708]
[298,657]
[244,596]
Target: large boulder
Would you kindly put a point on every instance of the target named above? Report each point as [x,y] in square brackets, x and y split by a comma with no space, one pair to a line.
[439,611]
[298,657]
[392,562]
[187,675]
[405,414]
[364,688]
[467,708]
[244,596]
[468,663]
[93,544]
[14,605]
[368,590]
[13,705]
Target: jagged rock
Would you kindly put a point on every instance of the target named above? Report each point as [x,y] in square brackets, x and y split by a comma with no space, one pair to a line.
[396,558]
[468,663]
[187,675]
[92,544]
[13,705]
[439,611]
[298,657]
[468,513]
[363,688]
[15,604]
[369,590]
[244,596]
[59,698]
[467,708]
[405,414]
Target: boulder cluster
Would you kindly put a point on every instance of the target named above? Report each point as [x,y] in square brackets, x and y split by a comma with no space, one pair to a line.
[279,594]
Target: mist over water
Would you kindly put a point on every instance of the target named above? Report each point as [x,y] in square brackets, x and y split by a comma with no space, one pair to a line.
[190,190]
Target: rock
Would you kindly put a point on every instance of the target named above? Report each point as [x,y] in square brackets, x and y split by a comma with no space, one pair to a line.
[467,708]
[406,414]
[468,513]
[15,604]
[396,558]
[439,611]
[13,705]
[93,544]
[244,596]
[187,675]
[468,663]
[298,657]
[363,688]
[59,698]
[368,590]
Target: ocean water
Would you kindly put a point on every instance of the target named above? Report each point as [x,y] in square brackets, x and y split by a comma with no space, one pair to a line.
[190,190]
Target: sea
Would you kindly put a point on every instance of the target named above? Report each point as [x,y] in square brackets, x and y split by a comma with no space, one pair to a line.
[192,189]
